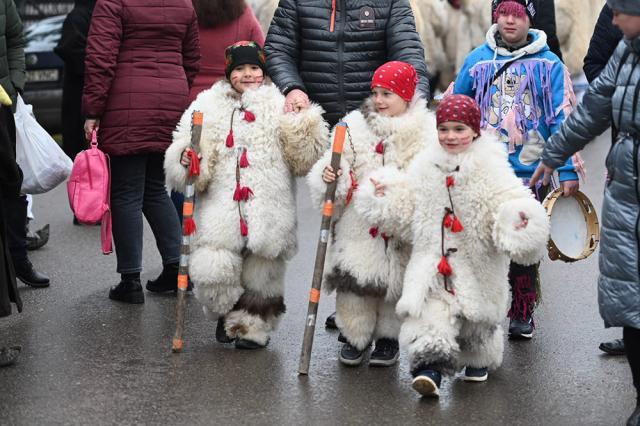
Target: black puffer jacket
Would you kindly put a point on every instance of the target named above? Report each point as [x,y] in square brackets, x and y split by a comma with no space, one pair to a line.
[604,41]
[332,54]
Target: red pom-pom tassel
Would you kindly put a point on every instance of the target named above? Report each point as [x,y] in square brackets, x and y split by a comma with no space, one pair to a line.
[189,226]
[244,229]
[244,162]
[448,220]
[444,268]
[194,166]
[380,148]
[456,226]
[385,237]
[353,188]
[237,194]
[373,231]
[245,193]
[249,117]
[230,140]
[450,181]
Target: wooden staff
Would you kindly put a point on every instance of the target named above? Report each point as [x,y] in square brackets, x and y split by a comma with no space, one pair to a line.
[321,251]
[188,228]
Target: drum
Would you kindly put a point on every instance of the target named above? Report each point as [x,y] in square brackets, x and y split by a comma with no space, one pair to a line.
[575,231]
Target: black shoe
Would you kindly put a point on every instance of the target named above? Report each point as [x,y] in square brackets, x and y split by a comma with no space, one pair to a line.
[385,354]
[127,291]
[427,383]
[166,281]
[9,355]
[221,333]
[351,356]
[30,276]
[473,374]
[330,322]
[614,347]
[38,239]
[248,344]
[634,420]
[521,328]
[341,338]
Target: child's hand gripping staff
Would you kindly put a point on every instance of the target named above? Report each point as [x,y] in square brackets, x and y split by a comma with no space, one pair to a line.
[188,228]
[321,251]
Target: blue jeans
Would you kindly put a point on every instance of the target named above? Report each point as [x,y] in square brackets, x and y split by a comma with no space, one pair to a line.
[137,188]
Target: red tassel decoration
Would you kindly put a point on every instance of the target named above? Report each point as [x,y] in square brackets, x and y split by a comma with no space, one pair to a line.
[444,268]
[189,226]
[194,166]
[450,181]
[244,162]
[237,194]
[244,230]
[353,188]
[448,221]
[373,231]
[385,237]
[249,117]
[380,148]
[456,226]
[230,140]
[245,193]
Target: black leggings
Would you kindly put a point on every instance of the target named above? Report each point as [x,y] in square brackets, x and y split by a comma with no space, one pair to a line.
[632,347]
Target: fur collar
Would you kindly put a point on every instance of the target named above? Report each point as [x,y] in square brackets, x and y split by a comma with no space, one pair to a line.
[538,44]
[222,96]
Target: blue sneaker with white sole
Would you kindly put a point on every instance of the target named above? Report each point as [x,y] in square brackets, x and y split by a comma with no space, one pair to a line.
[472,374]
[427,383]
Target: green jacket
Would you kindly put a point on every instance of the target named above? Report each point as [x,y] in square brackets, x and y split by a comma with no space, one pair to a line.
[12,74]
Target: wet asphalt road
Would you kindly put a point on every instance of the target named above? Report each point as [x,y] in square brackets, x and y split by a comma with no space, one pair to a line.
[88,360]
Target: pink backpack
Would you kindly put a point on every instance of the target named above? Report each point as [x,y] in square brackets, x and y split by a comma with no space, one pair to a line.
[89,190]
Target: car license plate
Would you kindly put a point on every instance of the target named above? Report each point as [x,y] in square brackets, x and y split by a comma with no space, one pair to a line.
[36,76]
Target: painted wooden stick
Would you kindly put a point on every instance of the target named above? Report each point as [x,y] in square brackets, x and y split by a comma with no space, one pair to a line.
[188,228]
[321,251]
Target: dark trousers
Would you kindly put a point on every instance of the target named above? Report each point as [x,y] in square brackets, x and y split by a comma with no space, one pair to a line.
[73,140]
[137,188]
[15,207]
[632,347]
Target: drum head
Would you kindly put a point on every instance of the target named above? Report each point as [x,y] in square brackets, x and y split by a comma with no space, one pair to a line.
[569,230]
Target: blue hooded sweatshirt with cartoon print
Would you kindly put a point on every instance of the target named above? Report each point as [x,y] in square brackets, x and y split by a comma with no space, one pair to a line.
[527,103]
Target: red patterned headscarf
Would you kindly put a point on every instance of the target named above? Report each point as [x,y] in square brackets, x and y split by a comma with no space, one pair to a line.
[460,108]
[399,77]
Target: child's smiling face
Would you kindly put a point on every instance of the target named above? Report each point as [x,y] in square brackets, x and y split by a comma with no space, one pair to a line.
[455,137]
[388,103]
[247,76]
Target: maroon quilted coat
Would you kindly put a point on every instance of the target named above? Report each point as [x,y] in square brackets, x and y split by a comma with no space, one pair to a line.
[142,57]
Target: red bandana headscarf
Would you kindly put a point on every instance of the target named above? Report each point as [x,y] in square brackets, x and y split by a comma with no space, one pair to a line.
[460,108]
[399,77]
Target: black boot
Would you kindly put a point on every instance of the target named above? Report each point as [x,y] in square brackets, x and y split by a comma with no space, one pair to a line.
[37,239]
[522,280]
[221,333]
[28,275]
[127,291]
[330,322]
[614,347]
[166,281]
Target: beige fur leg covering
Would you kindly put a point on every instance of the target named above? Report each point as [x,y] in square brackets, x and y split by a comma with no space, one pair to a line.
[216,278]
[356,317]
[388,323]
[431,338]
[481,345]
[257,311]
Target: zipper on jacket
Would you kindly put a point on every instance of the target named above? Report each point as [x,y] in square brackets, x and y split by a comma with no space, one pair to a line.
[635,183]
[341,29]
[332,25]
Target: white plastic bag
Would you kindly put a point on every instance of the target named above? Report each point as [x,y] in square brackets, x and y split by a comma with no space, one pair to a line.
[42,161]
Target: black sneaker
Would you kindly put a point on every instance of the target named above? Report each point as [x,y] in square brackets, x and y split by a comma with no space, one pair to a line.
[614,347]
[427,383]
[472,374]
[221,333]
[350,355]
[521,328]
[330,322]
[385,354]
[127,291]
[248,344]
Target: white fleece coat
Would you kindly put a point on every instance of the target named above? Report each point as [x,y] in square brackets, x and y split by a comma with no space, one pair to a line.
[356,261]
[279,146]
[439,327]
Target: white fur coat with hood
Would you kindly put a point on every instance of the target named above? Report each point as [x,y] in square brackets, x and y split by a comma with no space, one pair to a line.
[278,146]
[359,260]
[487,198]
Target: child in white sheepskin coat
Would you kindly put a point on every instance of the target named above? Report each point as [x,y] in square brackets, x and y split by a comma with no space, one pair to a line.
[245,208]
[365,262]
[467,214]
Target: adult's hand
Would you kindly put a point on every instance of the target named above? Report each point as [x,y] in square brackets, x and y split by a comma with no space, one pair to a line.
[90,124]
[295,101]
